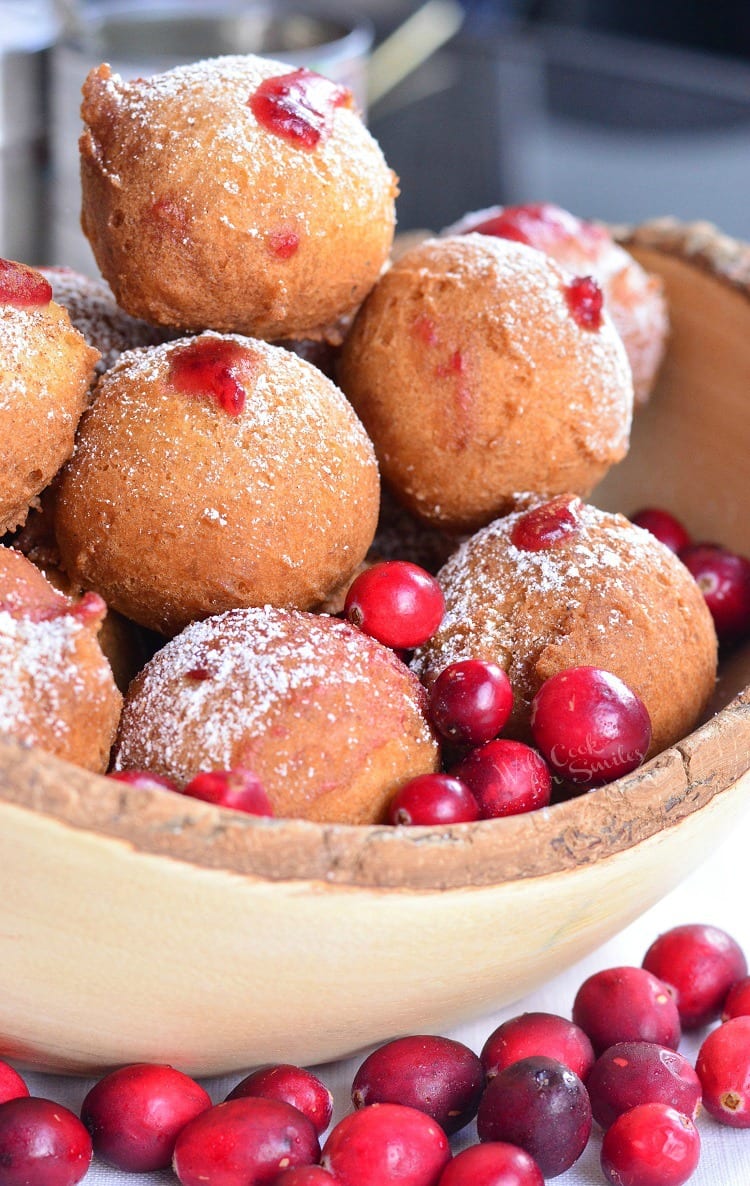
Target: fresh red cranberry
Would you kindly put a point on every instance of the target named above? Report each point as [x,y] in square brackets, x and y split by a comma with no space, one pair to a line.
[385,1145]
[538,1033]
[631,1073]
[470,701]
[585,300]
[651,1145]
[542,1106]
[12,1086]
[547,526]
[626,1005]
[437,1075]
[305,1175]
[144,780]
[723,1067]
[396,602]
[433,799]
[700,964]
[295,1086]
[23,286]
[237,788]
[244,1142]
[590,726]
[669,530]
[214,368]
[737,1002]
[299,106]
[41,1144]
[494,1164]
[724,580]
[135,1114]
[505,778]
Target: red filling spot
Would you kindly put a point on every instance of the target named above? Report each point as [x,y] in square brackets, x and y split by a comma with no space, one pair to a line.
[424,329]
[539,224]
[23,286]
[299,106]
[283,243]
[212,367]
[41,605]
[585,300]
[169,217]
[547,526]
[456,365]
[198,673]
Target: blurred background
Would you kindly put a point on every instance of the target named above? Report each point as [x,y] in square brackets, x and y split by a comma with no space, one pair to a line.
[616,109]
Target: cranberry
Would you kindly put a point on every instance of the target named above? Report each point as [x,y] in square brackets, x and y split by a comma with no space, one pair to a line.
[493,1164]
[538,1033]
[542,1106]
[664,526]
[700,963]
[590,726]
[631,1073]
[538,224]
[547,526]
[305,1175]
[723,1067]
[470,701]
[244,1142]
[436,1075]
[212,367]
[295,1086]
[433,799]
[386,1144]
[135,1114]
[737,1002]
[237,788]
[41,1144]
[144,780]
[585,300]
[299,106]
[724,580]
[12,1086]
[505,778]
[23,286]
[396,602]
[651,1145]
[283,244]
[626,1005]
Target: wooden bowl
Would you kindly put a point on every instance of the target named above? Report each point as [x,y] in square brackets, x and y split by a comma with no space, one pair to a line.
[150,927]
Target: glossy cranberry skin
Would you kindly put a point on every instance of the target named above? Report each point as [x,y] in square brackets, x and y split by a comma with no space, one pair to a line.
[724,580]
[144,780]
[295,1086]
[737,1002]
[538,1033]
[664,526]
[433,799]
[436,1075]
[41,1144]
[723,1067]
[238,788]
[505,778]
[212,368]
[700,964]
[470,701]
[626,1005]
[305,1175]
[386,1144]
[244,1142]
[493,1164]
[651,1145]
[632,1073]
[548,526]
[396,602]
[590,726]
[540,1105]
[12,1086]
[299,106]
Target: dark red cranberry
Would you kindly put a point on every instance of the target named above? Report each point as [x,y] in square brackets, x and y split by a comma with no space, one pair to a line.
[590,726]
[135,1114]
[631,1073]
[737,1002]
[305,1175]
[396,602]
[385,1145]
[700,964]
[626,1005]
[212,367]
[433,799]
[505,778]
[470,701]
[23,286]
[237,788]
[493,1164]
[144,780]
[299,106]
[585,300]
[244,1142]
[724,580]
[547,526]
[439,1076]
[669,530]
[651,1145]
[41,1144]
[542,1106]
[723,1067]
[12,1086]
[538,1033]
[295,1086]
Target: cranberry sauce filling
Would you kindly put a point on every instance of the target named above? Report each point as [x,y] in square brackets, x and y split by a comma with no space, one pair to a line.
[22,286]
[299,106]
[47,605]
[211,367]
[283,243]
[537,224]
[548,525]
[585,301]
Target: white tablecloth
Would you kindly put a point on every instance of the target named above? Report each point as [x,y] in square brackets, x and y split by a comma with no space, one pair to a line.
[716,893]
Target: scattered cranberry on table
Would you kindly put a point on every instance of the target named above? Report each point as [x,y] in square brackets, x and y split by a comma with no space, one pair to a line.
[41,1144]
[723,1067]
[12,1085]
[386,1145]
[495,1163]
[724,579]
[396,602]
[538,1033]
[470,701]
[237,788]
[651,1145]
[626,1004]
[632,1073]
[505,778]
[294,1085]
[433,799]
[660,523]
[700,964]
